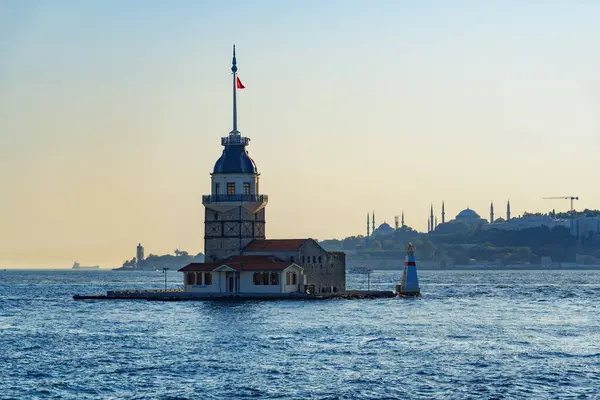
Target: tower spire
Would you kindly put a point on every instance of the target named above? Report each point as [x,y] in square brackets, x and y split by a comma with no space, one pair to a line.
[368,226]
[492,212]
[234,74]
[403,218]
[508,210]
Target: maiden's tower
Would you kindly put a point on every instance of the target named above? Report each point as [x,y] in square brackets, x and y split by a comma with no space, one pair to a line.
[234,212]
[238,257]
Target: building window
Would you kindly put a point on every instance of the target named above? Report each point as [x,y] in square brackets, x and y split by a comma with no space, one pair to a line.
[246,189]
[315,259]
[216,216]
[217,188]
[294,278]
[320,259]
[302,259]
[190,278]
[288,278]
[198,278]
[274,278]
[207,278]
[230,189]
[265,278]
[292,258]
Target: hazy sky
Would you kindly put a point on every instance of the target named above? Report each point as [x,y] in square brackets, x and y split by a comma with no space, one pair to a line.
[111,114]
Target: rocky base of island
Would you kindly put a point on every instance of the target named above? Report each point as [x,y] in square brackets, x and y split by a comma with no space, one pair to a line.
[180,295]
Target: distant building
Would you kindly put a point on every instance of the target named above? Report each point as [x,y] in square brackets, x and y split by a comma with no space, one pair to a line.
[584,226]
[238,257]
[466,220]
[384,229]
[526,222]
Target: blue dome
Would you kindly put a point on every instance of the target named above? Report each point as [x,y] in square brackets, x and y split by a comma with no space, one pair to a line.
[235,160]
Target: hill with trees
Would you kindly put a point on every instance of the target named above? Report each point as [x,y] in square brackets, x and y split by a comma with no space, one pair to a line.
[480,246]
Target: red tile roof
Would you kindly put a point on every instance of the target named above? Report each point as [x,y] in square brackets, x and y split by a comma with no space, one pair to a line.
[276,245]
[242,263]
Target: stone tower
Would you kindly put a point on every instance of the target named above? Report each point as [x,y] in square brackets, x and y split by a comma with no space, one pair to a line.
[139,252]
[234,212]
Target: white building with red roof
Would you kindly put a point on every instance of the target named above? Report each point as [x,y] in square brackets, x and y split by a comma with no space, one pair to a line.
[244,274]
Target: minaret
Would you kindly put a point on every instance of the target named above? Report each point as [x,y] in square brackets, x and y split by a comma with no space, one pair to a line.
[373,223]
[403,219]
[508,210]
[234,212]
[396,222]
[368,237]
[443,214]
[431,219]
[428,225]
[436,221]
[492,212]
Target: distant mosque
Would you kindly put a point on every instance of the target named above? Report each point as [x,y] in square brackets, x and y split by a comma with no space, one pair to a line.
[469,221]
[383,230]
[466,221]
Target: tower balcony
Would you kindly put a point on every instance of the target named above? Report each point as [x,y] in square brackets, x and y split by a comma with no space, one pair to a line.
[235,140]
[237,198]
[224,202]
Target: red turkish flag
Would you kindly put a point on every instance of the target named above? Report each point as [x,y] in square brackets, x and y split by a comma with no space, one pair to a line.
[238,83]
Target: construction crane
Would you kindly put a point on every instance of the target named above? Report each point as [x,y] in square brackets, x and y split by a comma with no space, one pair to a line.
[563,198]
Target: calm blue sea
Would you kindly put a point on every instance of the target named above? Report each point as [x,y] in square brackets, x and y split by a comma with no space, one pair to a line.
[473,335]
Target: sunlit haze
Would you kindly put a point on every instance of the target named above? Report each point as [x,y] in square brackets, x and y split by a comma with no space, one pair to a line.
[111,115]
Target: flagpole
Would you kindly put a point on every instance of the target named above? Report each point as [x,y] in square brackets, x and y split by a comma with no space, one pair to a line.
[234,70]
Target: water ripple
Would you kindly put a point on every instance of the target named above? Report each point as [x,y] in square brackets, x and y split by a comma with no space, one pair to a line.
[473,335]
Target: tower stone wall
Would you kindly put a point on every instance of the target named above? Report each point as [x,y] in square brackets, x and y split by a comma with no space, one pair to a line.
[226,233]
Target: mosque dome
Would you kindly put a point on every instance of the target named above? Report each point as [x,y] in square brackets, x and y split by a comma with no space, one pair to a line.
[235,160]
[383,229]
[467,215]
